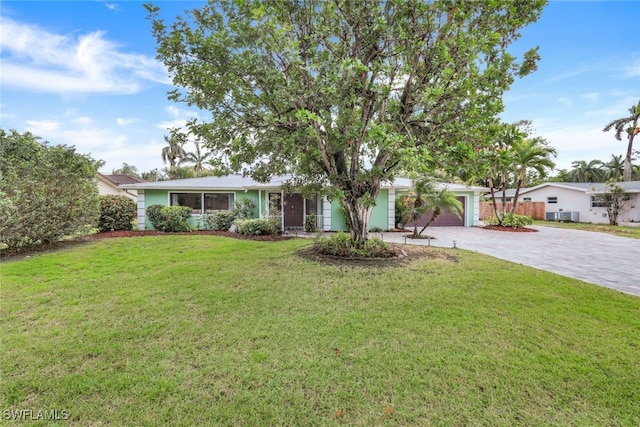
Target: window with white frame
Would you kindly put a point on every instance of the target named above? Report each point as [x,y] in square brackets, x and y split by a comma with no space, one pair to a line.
[600,201]
[212,202]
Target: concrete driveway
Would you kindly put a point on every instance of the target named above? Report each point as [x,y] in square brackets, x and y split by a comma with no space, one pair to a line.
[598,258]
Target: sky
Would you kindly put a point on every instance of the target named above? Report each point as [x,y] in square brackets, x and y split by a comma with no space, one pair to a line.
[84,73]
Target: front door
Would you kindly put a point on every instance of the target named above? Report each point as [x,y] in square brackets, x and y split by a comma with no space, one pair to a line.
[293,208]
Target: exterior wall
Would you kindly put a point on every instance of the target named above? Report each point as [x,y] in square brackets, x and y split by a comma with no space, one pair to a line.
[154,197]
[379,215]
[568,201]
[632,215]
[249,194]
[108,190]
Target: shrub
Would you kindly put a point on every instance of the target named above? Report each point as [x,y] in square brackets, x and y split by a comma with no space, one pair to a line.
[310,223]
[513,221]
[258,226]
[116,213]
[47,192]
[222,220]
[169,218]
[154,216]
[341,245]
[244,208]
[377,230]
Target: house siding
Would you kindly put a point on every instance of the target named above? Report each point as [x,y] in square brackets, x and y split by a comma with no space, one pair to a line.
[578,201]
[379,215]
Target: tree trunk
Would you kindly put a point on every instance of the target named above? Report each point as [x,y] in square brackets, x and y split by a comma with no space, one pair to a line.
[357,218]
[627,160]
[436,214]
[494,201]
[515,197]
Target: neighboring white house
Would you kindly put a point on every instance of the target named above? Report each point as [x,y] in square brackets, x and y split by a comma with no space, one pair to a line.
[110,185]
[583,202]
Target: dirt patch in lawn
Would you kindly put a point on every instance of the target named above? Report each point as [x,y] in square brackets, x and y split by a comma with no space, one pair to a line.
[406,253]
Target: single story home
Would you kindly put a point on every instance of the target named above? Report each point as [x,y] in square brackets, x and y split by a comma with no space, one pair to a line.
[111,185]
[212,194]
[583,202]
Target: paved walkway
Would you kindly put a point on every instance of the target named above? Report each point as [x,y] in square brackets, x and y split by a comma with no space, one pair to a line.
[602,259]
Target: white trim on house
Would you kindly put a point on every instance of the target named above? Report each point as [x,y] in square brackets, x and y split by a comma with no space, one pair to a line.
[391,206]
[141,211]
[326,214]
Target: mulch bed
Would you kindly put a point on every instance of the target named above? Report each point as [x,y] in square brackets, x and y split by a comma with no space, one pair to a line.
[12,255]
[406,253]
[509,229]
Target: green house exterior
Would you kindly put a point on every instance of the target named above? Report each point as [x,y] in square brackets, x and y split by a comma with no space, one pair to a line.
[211,194]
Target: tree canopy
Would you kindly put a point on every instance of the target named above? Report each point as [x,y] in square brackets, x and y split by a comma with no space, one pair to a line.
[343,95]
[46,192]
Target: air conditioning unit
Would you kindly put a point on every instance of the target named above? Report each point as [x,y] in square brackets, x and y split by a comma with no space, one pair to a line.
[564,216]
[549,216]
[575,216]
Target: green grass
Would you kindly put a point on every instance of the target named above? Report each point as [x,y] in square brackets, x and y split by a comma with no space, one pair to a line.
[616,230]
[201,330]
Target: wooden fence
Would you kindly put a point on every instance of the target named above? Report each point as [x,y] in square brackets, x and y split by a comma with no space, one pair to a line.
[533,209]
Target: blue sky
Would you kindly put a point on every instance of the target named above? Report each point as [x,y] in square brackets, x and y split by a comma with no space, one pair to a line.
[83,73]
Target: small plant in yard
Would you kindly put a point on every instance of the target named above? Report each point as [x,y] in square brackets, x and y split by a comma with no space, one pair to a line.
[341,245]
[510,220]
[169,218]
[257,226]
[244,208]
[116,213]
[222,221]
[310,223]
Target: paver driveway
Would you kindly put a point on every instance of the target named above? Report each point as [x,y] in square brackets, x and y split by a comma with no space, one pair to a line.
[602,259]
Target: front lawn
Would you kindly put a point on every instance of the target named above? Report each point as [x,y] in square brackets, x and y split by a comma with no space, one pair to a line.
[616,230]
[202,330]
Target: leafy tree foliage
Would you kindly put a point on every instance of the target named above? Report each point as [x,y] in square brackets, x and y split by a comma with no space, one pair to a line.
[510,160]
[630,126]
[344,94]
[616,201]
[46,192]
[127,169]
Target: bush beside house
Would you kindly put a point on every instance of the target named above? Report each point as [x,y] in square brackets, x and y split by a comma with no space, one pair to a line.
[116,213]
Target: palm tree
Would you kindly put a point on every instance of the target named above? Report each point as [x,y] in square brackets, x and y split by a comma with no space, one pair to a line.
[197,157]
[614,168]
[586,172]
[426,198]
[127,169]
[530,154]
[629,125]
[174,152]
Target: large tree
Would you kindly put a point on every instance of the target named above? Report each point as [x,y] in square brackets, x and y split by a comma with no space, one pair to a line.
[343,94]
[46,192]
[630,126]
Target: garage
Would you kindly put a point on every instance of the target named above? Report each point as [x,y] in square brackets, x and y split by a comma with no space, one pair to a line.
[446,218]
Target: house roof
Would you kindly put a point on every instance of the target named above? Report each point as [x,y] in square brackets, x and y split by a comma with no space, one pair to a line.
[120,179]
[238,182]
[586,187]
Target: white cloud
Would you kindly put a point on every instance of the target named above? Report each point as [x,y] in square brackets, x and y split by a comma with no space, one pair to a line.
[564,101]
[125,122]
[178,119]
[37,60]
[112,6]
[592,96]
